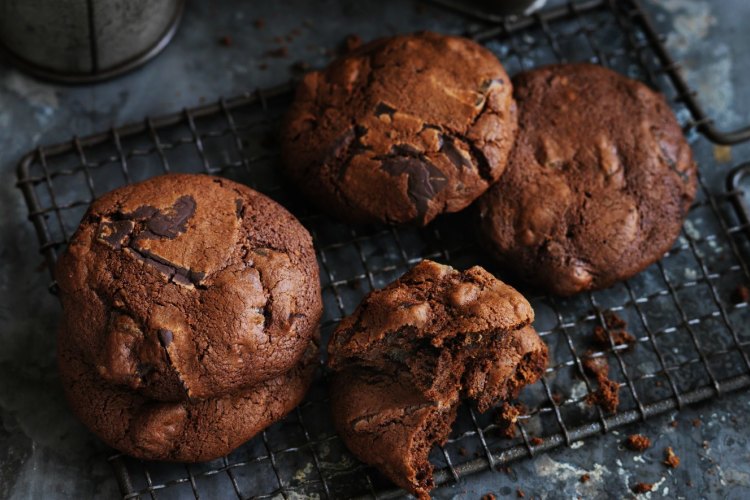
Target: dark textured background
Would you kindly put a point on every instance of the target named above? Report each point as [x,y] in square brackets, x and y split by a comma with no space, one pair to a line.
[45,453]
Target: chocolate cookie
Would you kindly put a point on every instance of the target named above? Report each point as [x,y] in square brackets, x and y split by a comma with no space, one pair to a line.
[401,129]
[189,286]
[413,350]
[182,431]
[598,183]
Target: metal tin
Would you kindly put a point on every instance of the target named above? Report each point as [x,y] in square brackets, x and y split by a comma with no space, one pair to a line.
[81,41]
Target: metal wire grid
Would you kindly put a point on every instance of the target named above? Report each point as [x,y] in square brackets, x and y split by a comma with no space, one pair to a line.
[681,310]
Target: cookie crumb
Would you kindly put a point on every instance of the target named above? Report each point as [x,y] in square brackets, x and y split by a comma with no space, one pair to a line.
[585,478]
[670,459]
[638,442]
[226,41]
[642,487]
[488,496]
[259,23]
[696,422]
[463,451]
[607,396]
[507,417]
[617,331]
[520,493]
[673,424]
[536,441]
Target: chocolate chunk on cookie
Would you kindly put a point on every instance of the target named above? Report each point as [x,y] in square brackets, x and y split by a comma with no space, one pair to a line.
[412,351]
[181,431]
[401,129]
[597,185]
[189,286]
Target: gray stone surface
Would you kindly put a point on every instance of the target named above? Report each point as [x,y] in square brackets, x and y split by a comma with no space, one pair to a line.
[45,453]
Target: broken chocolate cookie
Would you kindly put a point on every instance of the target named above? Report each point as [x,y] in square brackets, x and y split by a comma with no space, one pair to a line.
[411,352]
[401,129]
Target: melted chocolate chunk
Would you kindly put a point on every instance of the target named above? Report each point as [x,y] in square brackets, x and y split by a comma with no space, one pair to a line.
[425,179]
[115,233]
[453,153]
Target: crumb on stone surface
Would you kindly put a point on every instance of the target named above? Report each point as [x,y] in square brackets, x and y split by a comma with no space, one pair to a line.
[673,424]
[226,41]
[536,441]
[696,422]
[463,451]
[259,23]
[640,488]
[638,442]
[488,496]
[670,459]
[520,493]
[585,478]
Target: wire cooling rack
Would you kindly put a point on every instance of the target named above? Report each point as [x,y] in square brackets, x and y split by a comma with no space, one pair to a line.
[687,312]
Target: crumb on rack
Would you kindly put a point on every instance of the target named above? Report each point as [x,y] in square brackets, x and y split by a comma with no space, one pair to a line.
[607,396]
[617,331]
[585,478]
[507,417]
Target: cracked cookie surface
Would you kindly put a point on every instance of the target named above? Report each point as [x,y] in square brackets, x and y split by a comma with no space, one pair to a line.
[597,185]
[181,431]
[401,129]
[189,286]
[411,352]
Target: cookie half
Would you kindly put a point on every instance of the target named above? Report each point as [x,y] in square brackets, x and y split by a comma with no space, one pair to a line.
[411,352]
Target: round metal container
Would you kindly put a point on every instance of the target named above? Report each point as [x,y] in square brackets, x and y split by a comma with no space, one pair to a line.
[79,41]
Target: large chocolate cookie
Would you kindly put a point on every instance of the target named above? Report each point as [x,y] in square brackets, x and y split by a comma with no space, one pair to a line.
[182,431]
[598,183]
[401,129]
[413,350]
[189,286]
